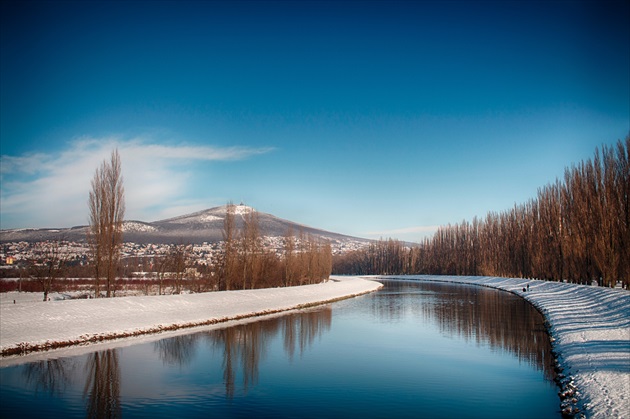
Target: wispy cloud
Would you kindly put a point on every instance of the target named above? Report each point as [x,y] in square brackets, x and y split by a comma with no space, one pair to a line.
[50,190]
[27,164]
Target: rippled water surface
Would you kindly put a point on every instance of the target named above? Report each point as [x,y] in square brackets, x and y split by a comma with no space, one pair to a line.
[413,349]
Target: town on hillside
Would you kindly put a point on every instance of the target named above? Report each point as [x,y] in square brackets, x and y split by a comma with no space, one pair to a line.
[142,265]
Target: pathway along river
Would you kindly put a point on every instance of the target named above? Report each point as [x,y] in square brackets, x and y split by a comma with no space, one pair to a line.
[412,349]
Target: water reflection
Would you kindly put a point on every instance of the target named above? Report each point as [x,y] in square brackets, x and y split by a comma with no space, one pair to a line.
[489,317]
[401,352]
[300,331]
[51,375]
[240,350]
[102,385]
[100,378]
[178,350]
[246,345]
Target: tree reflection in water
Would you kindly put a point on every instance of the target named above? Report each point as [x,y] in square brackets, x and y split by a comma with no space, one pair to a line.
[487,316]
[242,347]
[102,381]
[246,345]
[306,328]
[102,385]
[178,350]
[51,375]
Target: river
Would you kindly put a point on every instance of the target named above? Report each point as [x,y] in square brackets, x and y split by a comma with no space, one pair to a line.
[412,349]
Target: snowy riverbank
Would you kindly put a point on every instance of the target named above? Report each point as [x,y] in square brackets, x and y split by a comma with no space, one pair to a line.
[590,326]
[590,329]
[30,324]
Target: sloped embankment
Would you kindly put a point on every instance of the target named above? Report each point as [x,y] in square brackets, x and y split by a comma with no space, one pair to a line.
[41,326]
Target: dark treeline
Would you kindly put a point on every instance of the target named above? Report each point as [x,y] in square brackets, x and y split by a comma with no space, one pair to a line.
[576,229]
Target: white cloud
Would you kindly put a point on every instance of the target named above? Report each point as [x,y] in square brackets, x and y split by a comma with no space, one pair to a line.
[27,164]
[51,190]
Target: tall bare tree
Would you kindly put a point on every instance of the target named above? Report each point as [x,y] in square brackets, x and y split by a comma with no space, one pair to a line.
[230,249]
[107,211]
[250,249]
[179,256]
[50,267]
[290,260]
[161,265]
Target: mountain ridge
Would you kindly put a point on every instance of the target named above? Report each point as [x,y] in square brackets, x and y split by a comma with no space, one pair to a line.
[194,228]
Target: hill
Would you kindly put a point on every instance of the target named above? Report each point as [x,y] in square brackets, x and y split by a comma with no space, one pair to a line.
[195,228]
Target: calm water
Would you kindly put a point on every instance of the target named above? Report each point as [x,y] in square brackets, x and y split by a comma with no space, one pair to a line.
[413,349]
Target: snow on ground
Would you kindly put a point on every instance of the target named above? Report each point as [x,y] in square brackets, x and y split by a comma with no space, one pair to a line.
[590,330]
[30,324]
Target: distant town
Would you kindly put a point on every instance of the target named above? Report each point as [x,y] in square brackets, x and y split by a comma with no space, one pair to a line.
[15,255]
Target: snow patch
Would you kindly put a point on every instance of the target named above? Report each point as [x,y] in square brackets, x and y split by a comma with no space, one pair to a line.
[243,209]
[208,218]
[134,226]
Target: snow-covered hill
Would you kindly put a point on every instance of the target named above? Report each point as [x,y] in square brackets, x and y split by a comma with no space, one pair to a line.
[195,228]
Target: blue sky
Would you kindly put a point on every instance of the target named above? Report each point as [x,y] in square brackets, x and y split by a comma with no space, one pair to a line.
[366,118]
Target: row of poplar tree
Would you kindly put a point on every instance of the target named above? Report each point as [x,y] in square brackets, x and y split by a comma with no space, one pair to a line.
[576,229]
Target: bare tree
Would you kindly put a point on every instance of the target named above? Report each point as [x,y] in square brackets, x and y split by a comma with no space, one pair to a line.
[290,260]
[229,254]
[302,259]
[179,256]
[50,267]
[107,211]
[250,249]
[161,265]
